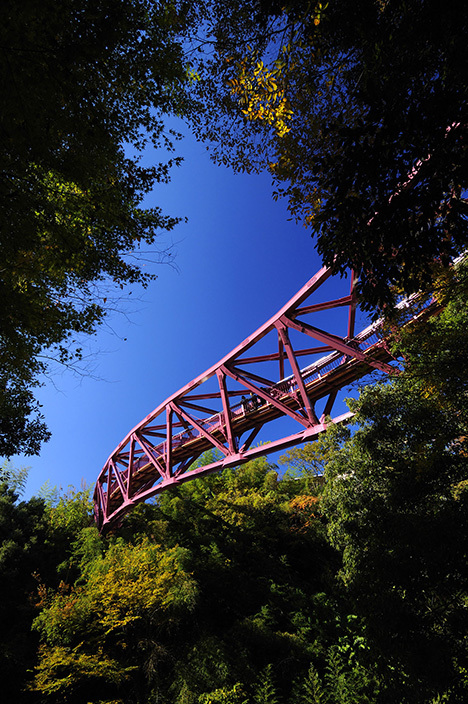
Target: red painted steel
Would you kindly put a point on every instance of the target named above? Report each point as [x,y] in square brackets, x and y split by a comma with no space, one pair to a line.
[225,408]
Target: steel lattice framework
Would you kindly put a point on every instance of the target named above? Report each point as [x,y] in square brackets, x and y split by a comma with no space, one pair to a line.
[225,408]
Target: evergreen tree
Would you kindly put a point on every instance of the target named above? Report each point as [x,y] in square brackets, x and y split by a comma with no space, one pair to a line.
[395,497]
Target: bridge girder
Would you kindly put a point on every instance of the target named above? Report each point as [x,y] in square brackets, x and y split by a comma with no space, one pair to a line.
[226,407]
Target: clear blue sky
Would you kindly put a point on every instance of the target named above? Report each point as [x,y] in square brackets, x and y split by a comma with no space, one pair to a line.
[238,261]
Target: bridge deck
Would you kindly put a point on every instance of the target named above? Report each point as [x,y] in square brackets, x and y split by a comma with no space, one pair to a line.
[162,449]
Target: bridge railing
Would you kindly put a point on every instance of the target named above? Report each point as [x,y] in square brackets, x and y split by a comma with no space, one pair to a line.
[162,449]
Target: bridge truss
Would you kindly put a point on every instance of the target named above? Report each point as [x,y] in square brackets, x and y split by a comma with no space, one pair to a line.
[287,368]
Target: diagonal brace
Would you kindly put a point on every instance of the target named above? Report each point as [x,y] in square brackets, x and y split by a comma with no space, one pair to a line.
[200,428]
[336,342]
[283,333]
[148,452]
[266,396]
[226,411]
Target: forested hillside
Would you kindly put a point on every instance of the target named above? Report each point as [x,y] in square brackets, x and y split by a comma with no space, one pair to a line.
[265,584]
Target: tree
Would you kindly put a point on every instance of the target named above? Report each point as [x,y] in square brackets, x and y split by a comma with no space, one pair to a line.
[221,591]
[23,553]
[265,690]
[343,682]
[358,110]
[263,570]
[86,85]
[95,632]
[395,496]
[200,591]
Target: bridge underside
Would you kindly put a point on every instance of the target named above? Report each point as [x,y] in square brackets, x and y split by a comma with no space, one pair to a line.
[288,368]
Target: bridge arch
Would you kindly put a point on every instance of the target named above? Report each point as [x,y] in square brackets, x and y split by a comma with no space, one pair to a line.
[268,376]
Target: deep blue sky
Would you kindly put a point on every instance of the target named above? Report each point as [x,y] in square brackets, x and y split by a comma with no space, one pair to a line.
[238,260]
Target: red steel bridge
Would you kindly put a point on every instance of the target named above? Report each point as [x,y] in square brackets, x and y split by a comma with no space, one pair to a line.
[288,368]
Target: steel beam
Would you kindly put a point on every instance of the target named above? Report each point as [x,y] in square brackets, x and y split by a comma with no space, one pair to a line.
[161,450]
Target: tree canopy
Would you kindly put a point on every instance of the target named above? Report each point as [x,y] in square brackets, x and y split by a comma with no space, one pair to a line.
[85,86]
[395,499]
[358,110]
[244,587]
[342,581]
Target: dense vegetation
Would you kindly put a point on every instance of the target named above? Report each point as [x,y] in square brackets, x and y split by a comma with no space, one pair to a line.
[244,587]
[357,110]
[86,86]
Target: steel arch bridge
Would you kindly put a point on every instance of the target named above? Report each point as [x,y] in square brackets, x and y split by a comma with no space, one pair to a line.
[285,369]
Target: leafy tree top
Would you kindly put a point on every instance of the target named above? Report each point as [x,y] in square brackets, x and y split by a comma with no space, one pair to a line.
[86,86]
[358,110]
